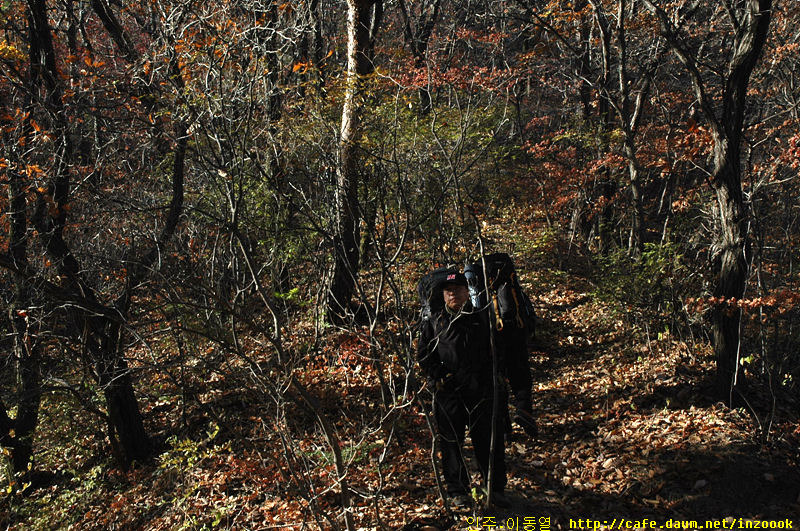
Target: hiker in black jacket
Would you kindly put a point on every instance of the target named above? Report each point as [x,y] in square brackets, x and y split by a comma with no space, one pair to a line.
[513,314]
[455,355]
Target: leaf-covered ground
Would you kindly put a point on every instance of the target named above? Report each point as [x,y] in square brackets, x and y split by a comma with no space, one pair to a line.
[630,430]
[627,430]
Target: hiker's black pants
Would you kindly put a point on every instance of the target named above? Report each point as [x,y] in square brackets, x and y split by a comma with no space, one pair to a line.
[518,367]
[453,415]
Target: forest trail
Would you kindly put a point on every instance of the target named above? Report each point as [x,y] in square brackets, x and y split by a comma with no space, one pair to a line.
[628,431]
[628,428]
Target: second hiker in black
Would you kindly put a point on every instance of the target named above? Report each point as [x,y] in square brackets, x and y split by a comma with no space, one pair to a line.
[455,355]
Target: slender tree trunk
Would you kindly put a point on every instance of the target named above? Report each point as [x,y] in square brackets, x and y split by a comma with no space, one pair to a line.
[102,333]
[370,218]
[417,34]
[635,241]
[114,378]
[607,184]
[629,127]
[318,47]
[29,390]
[751,19]
[26,347]
[362,21]
[731,264]
[584,68]
[424,101]
[17,434]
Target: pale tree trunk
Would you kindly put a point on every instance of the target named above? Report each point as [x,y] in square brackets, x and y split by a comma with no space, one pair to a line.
[750,19]
[363,19]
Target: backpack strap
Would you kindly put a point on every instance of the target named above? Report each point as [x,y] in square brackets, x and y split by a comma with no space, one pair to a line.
[513,281]
[498,321]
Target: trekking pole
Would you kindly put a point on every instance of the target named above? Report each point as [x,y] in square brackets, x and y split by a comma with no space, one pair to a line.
[495,387]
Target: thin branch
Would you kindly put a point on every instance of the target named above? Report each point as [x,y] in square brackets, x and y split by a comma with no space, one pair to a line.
[698,84]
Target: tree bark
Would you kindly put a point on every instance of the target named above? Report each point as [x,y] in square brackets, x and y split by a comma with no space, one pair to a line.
[114,378]
[731,266]
[607,184]
[26,347]
[751,21]
[102,333]
[17,434]
[103,324]
[362,23]
[629,126]
[28,390]
[584,69]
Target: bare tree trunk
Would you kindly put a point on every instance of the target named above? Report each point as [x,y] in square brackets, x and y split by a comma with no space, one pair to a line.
[317,54]
[362,23]
[751,21]
[584,67]
[103,324]
[26,346]
[731,264]
[636,240]
[17,434]
[628,118]
[114,378]
[607,184]
[629,127]
[29,390]
[27,366]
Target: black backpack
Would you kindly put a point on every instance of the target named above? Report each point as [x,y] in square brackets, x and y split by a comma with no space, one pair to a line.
[511,307]
[430,290]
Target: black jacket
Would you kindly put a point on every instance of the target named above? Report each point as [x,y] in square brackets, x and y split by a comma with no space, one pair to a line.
[454,351]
